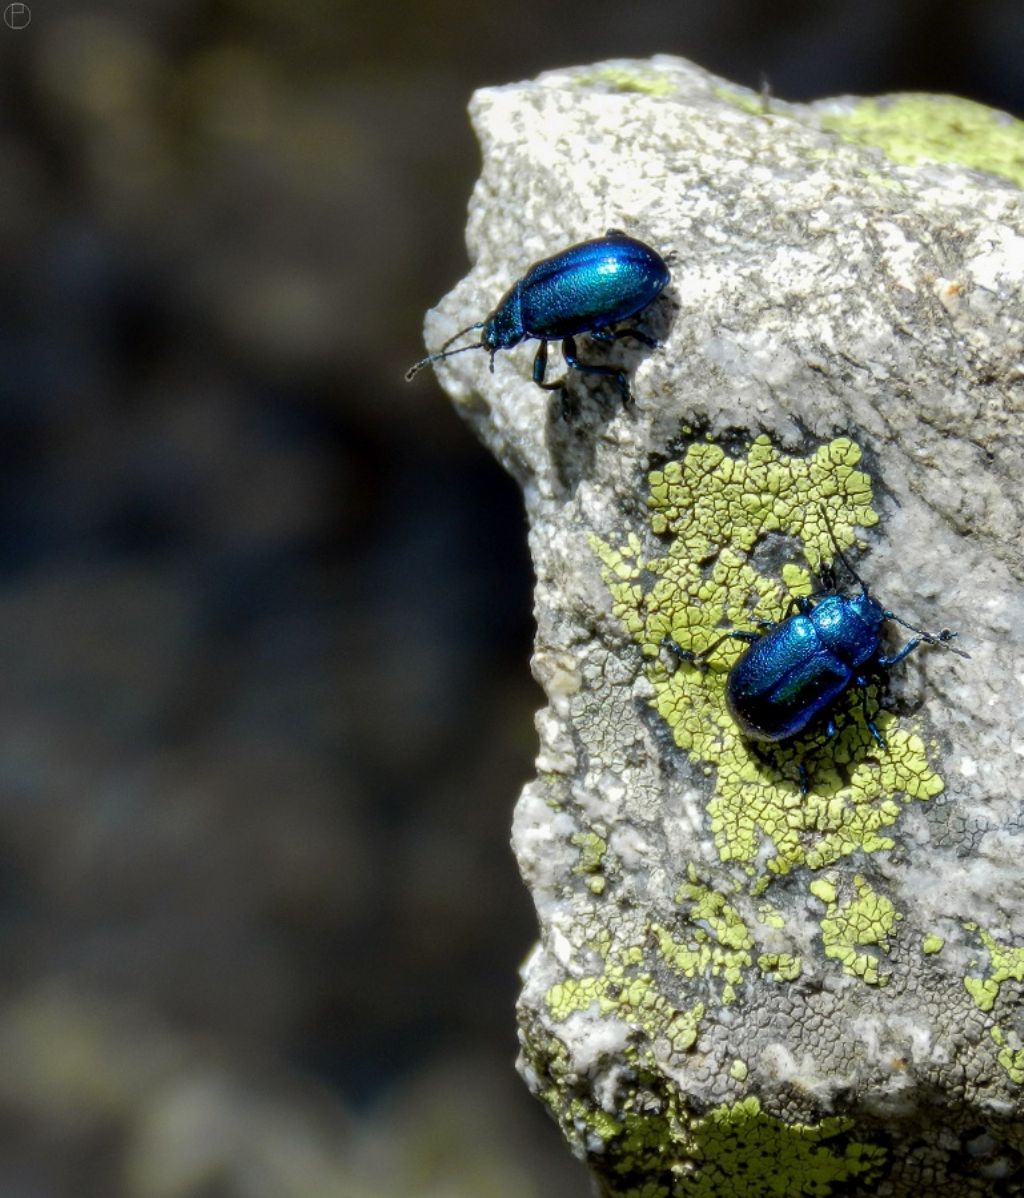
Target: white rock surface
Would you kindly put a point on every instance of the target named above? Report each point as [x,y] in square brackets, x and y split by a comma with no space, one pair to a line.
[832,1005]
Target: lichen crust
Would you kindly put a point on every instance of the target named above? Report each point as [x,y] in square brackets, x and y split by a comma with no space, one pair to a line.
[863,921]
[732,1150]
[1005,964]
[912,128]
[711,510]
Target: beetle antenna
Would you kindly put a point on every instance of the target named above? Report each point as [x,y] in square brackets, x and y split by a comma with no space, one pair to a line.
[444,352]
[472,328]
[842,556]
[930,638]
[414,370]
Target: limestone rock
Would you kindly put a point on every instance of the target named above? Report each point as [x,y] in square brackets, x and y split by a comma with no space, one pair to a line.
[739,988]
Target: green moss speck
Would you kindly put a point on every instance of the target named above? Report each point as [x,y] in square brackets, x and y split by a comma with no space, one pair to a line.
[713,509]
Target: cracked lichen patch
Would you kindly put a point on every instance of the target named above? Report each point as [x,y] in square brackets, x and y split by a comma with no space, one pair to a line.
[780,967]
[1009,1057]
[717,943]
[1006,963]
[627,990]
[740,1150]
[714,509]
[592,850]
[709,941]
[865,921]
[735,1150]
[918,128]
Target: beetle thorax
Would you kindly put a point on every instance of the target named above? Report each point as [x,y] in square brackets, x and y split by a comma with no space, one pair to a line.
[849,627]
[504,327]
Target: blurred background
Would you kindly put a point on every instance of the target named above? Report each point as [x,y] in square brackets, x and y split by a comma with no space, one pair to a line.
[264,609]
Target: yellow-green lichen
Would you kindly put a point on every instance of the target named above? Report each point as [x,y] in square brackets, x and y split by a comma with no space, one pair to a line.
[737,1150]
[714,509]
[624,79]
[754,103]
[597,1120]
[654,1145]
[628,991]
[780,967]
[1006,963]
[770,917]
[682,1028]
[592,850]
[865,921]
[709,941]
[932,944]
[717,943]
[1010,1059]
[916,128]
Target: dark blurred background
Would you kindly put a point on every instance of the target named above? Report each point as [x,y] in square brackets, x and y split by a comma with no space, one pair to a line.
[265,609]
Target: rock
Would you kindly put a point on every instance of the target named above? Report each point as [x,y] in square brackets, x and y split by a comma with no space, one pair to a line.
[739,988]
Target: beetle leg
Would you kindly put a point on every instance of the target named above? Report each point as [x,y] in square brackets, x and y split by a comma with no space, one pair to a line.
[677,650]
[797,603]
[909,647]
[861,682]
[569,353]
[643,338]
[701,658]
[540,368]
[609,335]
[805,786]
[771,763]
[878,738]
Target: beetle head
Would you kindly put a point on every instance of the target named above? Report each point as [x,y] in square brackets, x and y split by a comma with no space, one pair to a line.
[504,327]
[869,611]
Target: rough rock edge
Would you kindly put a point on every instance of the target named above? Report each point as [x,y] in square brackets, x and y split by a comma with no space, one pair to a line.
[683,1016]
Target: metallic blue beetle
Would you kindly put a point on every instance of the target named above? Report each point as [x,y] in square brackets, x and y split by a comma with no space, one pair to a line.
[795,670]
[587,288]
